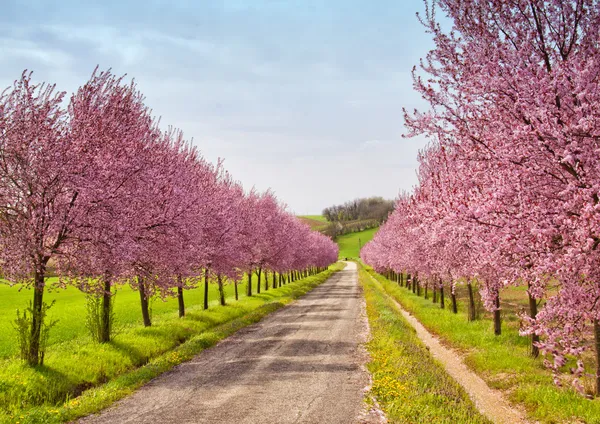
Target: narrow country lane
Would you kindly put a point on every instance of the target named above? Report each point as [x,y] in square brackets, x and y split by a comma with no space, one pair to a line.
[302,364]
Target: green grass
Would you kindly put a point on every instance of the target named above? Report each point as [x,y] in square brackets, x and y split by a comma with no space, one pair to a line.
[80,377]
[70,310]
[349,243]
[409,385]
[315,222]
[320,218]
[502,361]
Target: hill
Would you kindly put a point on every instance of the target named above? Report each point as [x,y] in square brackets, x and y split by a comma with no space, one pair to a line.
[349,243]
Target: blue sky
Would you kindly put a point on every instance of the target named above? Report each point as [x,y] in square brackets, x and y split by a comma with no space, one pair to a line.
[304,97]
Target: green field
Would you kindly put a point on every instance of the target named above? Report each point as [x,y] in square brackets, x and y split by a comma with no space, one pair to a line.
[349,243]
[409,385]
[502,361]
[70,310]
[80,376]
[315,217]
[315,222]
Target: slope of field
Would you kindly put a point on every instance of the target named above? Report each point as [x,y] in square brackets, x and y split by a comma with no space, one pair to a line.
[315,222]
[349,243]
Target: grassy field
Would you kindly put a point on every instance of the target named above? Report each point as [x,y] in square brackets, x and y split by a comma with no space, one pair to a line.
[80,377]
[315,222]
[70,310]
[320,218]
[502,361]
[409,385]
[349,243]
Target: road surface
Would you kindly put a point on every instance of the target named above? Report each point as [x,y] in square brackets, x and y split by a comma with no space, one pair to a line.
[301,364]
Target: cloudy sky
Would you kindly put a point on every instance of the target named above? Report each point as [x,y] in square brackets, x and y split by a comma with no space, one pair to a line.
[301,96]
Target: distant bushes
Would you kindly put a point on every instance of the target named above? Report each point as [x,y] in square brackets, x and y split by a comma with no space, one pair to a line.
[339,228]
[366,209]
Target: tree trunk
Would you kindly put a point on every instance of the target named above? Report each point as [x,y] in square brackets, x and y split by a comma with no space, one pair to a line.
[442,302]
[180,296]
[597,340]
[258,284]
[471,316]
[36,318]
[418,284]
[144,302]
[206,289]
[280,279]
[497,322]
[274,280]
[408,281]
[266,280]
[105,319]
[249,288]
[221,289]
[435,292]
[236,288]
[534,351]
[454,305]
[401,279]
[427,289]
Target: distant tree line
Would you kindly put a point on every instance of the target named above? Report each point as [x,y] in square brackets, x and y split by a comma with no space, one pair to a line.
[339,228]
[372,208]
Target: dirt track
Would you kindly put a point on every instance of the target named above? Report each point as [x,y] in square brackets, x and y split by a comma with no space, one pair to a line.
[301,364]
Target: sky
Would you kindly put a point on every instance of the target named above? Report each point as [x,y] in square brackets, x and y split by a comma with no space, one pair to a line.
[303,97]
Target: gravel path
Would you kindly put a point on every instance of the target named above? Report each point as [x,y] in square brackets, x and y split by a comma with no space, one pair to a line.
[490,402]
[302,364]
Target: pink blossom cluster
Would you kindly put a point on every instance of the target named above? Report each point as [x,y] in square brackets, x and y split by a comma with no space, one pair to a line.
[509,186]
[93,187]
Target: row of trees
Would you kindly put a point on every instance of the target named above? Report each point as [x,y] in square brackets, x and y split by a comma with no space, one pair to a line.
[372,208]
[509,189]
[338,228]
[95,188]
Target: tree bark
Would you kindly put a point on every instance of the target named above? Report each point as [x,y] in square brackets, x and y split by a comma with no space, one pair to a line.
[427,289]
[36,318]
[497,321]
[266,280]
[442,302]
[274,280]
[597,340]
[180,296]
[471,316]
[258,283]
[144,302]
[105,320]
[454,305]
[221,290]
[435,292]
[534,351]
[249,288]
[206,288]
[236,288]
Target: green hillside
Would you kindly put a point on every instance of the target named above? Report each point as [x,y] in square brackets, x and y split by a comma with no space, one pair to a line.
[349,243]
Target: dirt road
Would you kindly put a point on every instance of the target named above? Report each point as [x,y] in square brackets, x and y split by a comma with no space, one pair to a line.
[301,364]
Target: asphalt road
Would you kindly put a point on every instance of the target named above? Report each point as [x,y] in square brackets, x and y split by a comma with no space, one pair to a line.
[302,364]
